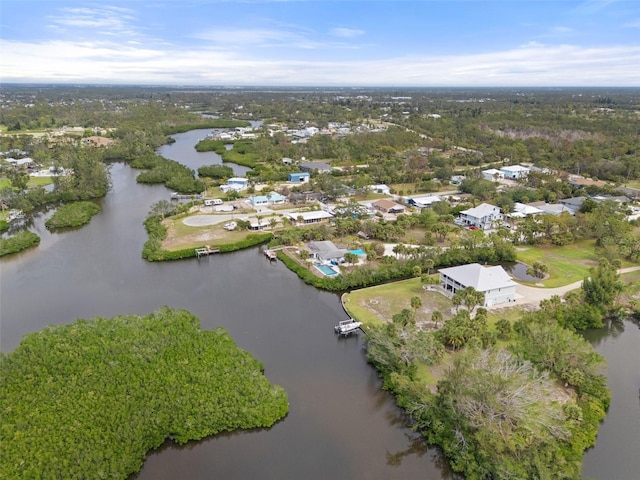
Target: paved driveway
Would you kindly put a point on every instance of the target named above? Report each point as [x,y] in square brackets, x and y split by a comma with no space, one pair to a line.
[533,296]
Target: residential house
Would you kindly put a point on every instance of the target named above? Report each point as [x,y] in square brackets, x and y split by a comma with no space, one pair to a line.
[320,167]
[514,172]
[298,177]
[237,184]
[573,204]
[387,206]
[326,251]
[379,189]
[271,198]
[551,208]
[493,175]
[315,216]
[483,217]
[494,282]
[423,202]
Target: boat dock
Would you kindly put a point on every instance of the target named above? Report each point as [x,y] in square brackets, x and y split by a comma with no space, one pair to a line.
[203,252]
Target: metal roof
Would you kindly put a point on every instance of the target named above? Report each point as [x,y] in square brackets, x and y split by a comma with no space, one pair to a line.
[479,277]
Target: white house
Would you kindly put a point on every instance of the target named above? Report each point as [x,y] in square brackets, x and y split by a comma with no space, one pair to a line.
[238,184]
[493,175]
[423,202]
[514,172]
[315,216]
[380,189]
[483,217]
[272,198]
[494,282]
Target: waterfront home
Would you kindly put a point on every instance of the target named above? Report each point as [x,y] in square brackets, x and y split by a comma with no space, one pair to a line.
[237,184]
[298,177]
[482,217]
[494,282]
[326,251]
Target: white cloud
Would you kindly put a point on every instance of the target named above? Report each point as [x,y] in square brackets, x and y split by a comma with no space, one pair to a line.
[104,20]
[123,62]
[634,24]
[346,32]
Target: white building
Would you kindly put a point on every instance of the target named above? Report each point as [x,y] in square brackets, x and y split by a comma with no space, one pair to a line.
[482,217]
[493,175]
[494,282]
[514,172]
[314,216]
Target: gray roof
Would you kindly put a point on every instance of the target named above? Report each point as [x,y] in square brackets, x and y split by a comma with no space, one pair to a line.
[315,166]
[479,277]
[481,211]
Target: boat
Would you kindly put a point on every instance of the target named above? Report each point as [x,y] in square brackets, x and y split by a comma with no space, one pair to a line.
[345,327]
[230,226]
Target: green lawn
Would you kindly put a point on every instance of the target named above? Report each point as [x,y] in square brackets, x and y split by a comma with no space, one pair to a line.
[5,183]
[567,264]
[39,181]
[376,304]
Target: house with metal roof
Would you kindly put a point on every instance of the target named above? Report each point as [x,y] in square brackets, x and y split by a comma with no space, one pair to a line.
[514,172]
[298,177]
[482,217]
[423,202]
[272,198]
[320,167]
[314,216]
[494,282]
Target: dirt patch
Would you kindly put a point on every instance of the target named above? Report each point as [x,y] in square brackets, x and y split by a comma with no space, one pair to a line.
[202,236]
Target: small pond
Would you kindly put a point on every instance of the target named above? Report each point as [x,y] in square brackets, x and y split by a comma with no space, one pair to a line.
[519,271]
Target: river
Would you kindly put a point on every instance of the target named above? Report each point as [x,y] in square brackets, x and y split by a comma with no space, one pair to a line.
[340,425]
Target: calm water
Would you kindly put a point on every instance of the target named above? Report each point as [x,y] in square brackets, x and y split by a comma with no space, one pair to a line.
[340,426]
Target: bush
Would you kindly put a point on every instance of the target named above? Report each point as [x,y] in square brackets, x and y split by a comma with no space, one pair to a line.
[19,242]
[72,215]
[89,399]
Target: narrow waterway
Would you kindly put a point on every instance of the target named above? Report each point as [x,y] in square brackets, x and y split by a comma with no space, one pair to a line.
[341,425]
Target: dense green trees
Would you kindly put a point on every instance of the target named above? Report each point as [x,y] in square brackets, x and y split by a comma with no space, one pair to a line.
[18,242]
[525,411]
[89,399]
[72,215]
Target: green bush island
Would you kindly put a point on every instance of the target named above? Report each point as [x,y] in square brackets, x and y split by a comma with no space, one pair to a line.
[18,242]
[90,399]
[72,215]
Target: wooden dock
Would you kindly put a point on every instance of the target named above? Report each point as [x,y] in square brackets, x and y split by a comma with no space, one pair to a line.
[203,252]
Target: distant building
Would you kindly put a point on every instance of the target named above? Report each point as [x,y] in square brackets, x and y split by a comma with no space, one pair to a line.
[320,167]
[379,189]
[387,206]
[298,177]
[514,172]
[315,216]
[423,202]
[493,175]
[573,204]
[237,184]
[272,198]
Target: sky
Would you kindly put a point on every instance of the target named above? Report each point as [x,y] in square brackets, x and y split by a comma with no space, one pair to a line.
[421,43]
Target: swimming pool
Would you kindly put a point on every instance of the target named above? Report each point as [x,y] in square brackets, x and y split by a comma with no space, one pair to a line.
[328,271]
[359,251]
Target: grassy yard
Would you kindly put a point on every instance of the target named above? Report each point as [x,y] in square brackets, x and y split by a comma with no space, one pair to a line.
[39,181]
[567,264]
[378,304]
[181,236]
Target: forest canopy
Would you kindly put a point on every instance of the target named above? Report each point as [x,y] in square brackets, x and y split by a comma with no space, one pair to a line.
[89,399]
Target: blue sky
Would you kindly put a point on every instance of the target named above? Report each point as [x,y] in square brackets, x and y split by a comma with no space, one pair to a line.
[324,43]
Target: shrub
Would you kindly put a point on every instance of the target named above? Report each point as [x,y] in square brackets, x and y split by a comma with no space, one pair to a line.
[19,242]
[72,215]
